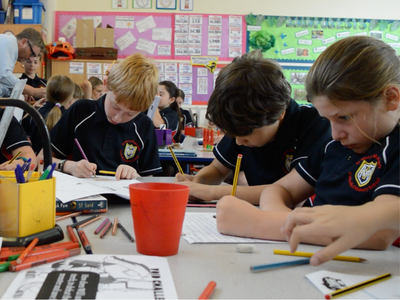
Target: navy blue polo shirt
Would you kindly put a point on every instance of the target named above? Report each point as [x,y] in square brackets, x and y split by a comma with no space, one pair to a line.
[187,118]
[342,177]
[132,143]
[171,119]
[31,128]
[300,132]
[36,82]
[14,138]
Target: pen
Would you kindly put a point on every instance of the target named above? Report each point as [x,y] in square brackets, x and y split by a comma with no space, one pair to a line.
[40,168]
[306,254]
[208,290]
[101,226]
[46,172]
[107,172]
[19,177]
[126,232]
[260,268]
[80,149]
[114,226]
[358,286]
[44,259]
[69,216]
[26,165]
[106,229]
[84,239]
[27,250]
[50,174]
[15,157]
[74,225]
[176,160]
[29,175]
[235,177]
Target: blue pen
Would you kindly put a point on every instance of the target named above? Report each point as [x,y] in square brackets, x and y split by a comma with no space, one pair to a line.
[53,166]
[260,268]
[19,174]
[26,165]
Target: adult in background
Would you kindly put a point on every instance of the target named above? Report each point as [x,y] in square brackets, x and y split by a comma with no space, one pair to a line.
[28,43]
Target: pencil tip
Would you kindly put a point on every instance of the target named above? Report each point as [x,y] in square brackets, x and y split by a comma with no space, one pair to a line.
[363,259]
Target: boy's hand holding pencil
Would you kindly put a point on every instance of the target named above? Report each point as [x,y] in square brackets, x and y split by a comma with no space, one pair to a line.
[82,168]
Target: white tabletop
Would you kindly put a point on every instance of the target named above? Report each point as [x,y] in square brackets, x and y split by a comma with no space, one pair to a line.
[196,264]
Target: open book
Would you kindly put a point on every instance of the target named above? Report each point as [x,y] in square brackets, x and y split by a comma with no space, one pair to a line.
[70,188]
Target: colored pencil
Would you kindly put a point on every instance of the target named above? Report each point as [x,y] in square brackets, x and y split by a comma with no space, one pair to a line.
[236,176]
[106,229]
[208,290]
[72,235]
[357,286]
[176,160]
[107,172]
[307,254]
[80,149]
[127,234]
[101,226]
[15,157]
[260,268]
[27,250]
[114,230]
[88,222]
[69,216]
[77,224]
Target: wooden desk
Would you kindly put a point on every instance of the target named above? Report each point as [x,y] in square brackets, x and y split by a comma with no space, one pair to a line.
[195,265]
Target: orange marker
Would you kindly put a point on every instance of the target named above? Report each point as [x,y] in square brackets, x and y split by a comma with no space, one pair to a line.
[208,290]
[71,234]
[27,250]
[84,239]
[44,259]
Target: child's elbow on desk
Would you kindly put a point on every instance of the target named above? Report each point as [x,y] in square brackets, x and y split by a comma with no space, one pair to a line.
[381,240]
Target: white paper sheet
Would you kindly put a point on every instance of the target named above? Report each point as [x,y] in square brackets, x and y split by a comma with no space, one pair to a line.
[201,228]
[105,276]
[70,188]
[328,282]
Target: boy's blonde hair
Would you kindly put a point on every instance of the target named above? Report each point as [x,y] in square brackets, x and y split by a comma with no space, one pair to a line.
[78,92]
[134,82]
[59,90]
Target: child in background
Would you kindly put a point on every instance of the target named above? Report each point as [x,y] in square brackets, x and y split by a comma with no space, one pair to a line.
[252,106]
[59,95]
[113,132]
[187,118]
[97,87]
[355,84]
[15,140]
[168,112]
[30,66]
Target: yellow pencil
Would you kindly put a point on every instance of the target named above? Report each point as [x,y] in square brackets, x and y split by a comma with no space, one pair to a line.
[235,177]
[109,68]
[176,160]
[357,286]
[15,157]
[307,254]
[107,172]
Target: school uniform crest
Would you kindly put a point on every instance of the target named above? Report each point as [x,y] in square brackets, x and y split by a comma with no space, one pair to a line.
[288,161]
[129,151]
[364,173]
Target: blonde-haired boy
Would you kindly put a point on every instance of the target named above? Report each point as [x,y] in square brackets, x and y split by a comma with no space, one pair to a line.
[112,131]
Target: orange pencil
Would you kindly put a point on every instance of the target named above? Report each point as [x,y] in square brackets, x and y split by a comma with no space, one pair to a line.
[27,250]
[84,239]
[44,259]
[88,222]
[115,226]
[208,290]
[68,216]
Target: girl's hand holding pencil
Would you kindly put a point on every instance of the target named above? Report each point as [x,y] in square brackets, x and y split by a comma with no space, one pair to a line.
[82,168]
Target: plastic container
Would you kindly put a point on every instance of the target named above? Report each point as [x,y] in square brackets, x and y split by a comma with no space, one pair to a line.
[29,1]
[28,13]
[2,17]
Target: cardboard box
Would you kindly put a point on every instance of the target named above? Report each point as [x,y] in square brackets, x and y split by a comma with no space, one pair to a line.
[105,37]
[26,208]
[84,33]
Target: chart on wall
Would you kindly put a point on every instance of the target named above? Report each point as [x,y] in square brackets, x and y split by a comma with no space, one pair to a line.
[298,41]
[164,35]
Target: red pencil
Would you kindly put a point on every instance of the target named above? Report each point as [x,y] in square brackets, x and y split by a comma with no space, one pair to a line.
[44,259]
[27,250]
[208,290]
[106,229]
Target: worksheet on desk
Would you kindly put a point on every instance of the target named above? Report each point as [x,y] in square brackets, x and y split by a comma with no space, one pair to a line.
[70,188]
[96,277]
[201,228]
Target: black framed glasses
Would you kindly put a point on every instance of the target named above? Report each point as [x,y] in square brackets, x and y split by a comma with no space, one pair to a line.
[33,54]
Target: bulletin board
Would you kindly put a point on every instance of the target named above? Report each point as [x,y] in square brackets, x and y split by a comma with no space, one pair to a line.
[298,41]
[169,36]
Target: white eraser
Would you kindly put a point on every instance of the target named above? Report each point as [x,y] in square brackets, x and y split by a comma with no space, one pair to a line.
[245,248]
